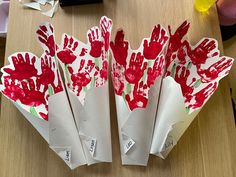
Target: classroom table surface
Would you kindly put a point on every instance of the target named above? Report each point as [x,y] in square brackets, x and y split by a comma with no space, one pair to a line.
[207,149]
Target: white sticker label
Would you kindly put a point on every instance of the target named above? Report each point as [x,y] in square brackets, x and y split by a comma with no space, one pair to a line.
[65,154]
[167,147]
[128,145]
[92,146]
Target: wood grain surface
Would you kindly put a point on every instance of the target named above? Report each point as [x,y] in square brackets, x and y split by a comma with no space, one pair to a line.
[207,149]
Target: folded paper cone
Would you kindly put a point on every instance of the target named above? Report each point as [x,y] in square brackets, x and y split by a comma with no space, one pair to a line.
[63,135]
[172,118]
[136,128]
[39,124]
[93,123]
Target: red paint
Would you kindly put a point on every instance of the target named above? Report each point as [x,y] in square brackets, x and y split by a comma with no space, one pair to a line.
[47,76]
[67,55]
[12,90]
[95,43]
[46,39]
[104,71]
[32,96]
[201,96]
[153,48]
[175,41]
[181,54]
[120,48]
[155,71]
[117,79]
[44,116]
[83,52]
[24,69]
[105,26]
[81,78]
[181,77]
[199,54]
[136,68]
[213,72]
[139,97]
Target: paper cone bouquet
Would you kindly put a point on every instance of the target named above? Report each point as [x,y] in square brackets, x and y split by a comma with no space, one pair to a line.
[159,89]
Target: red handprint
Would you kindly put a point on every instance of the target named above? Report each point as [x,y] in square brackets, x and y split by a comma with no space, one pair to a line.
[201,96]
[136,68]
[155,71]
[81,78]
[117,79]
[48,75]
[200,53]
[32,95]
[120,48]
[104,70]
[220,67]
[67,55]
[46,37]
[175,41]
[95,40]
[181,77]
[24,69]
[158,39]
[139,97]
[12,89]
[105,25]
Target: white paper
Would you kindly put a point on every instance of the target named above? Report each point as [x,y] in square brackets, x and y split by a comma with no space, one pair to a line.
[33,5]
[51,12]
[41,125]
[172,118]
[63,133]
[93,123]
[132,125]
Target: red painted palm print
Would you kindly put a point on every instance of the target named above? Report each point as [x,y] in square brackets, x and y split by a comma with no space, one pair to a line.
[135,71]
[29,80]
[86,65]
[197,69]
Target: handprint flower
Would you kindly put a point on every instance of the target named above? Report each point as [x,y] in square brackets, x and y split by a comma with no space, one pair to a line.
[82,77]
[140,99]
[220,68]
[67,54]
[120,48]
[46,37]
[95,40]
[157,41]
[136,68]
[23,66]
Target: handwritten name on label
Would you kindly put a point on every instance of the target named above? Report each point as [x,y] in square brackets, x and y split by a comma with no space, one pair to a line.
[67,155]
[167,147]
[92,147]
[128,145]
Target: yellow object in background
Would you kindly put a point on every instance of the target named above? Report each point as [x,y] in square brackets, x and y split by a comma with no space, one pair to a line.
[203,5]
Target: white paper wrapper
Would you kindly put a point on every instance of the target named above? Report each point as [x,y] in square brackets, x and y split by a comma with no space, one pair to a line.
[172,118]
[93,123]
[40,125]
[136,128]
[63,135]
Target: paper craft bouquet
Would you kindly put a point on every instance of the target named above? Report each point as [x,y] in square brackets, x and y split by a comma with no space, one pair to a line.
[67,113]
[159,89]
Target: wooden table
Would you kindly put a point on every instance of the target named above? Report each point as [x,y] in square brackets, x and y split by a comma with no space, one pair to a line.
[207,149]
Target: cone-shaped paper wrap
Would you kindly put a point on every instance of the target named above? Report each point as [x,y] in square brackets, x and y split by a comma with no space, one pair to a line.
[34,85]
[193,74]
[85,68]
[136,76]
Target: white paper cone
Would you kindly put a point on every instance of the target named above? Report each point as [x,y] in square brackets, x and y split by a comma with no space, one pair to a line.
[63,135]
[41,125]
[93,122]
[136,128]
[172,118]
